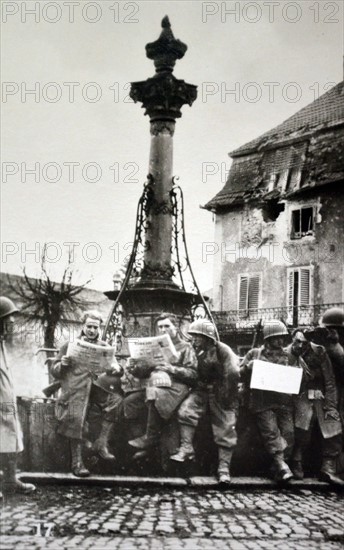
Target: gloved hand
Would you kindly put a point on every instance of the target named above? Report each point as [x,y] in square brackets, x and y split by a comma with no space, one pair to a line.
[139,369]
[114,370]
[166,368]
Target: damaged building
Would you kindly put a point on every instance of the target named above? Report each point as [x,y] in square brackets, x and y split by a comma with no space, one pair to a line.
[279,225]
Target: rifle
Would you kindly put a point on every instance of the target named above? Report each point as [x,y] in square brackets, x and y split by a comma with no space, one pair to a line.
[257,334]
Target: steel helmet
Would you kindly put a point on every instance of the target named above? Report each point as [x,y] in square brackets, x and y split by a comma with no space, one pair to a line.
[333,317]
[7,307]
[160,379]
[274,328]
[203,327]
[109,382]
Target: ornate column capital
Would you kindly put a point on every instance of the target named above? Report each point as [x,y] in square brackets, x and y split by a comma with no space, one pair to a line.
[163,95]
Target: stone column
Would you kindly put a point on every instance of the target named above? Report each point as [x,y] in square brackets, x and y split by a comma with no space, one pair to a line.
[159,231]
[162,96]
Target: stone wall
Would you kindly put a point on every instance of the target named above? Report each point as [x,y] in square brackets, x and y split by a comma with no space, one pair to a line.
[248,244]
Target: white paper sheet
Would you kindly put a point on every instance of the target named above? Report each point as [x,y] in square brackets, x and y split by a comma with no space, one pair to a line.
[90,356]
[274,377]
[154,350]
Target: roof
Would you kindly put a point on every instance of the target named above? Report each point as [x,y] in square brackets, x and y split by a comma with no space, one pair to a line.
[328,109]
[305,151]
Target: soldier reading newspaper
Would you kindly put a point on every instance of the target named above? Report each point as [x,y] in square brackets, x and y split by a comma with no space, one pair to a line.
[167,366]
[80,368]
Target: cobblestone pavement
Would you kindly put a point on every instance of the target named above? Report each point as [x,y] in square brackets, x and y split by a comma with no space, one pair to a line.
[174,519]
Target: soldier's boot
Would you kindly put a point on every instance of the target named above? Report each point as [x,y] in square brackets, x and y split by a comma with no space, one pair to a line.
[186,450]
[78,468]
[328,472]
[281,468]
[101,443]
[11,483]
[296,464]
[153,430]
[223,470]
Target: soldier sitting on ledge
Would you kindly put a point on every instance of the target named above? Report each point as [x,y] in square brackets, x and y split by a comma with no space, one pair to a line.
[272,411]
[81,389]
[216,391]
[167,386]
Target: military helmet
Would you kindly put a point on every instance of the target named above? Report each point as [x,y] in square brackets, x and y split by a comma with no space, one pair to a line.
[333,317]
[7,307]
[110,383]
[274,328]
[160,379]
[203,327]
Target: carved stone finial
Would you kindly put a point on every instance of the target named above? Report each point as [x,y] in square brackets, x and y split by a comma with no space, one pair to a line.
[163,95]
[167,49]
[165,23]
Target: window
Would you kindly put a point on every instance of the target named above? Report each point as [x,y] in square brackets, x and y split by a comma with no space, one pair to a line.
[302,221]
[299,295]
[249,289]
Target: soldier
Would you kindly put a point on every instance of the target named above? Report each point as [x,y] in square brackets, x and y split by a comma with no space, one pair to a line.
[167,384]
[273,412]
[80,389]
[11,437]
[317,402]
[333,318]
[333,321]
[216,389]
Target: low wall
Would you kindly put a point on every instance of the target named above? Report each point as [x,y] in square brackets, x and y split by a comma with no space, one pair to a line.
[46,451]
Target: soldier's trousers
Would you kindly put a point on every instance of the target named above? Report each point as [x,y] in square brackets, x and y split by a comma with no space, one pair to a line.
[276,427]
[105,403]
[222,421]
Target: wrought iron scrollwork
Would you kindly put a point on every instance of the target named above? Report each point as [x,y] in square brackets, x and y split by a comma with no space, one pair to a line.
[180,268]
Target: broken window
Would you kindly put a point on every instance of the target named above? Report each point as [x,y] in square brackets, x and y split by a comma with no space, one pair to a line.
[249,289]
[271,210]
[302,221]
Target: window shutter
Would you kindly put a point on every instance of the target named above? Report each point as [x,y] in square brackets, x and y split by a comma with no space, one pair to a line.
[243,292]
[291,289]
[253,292]
[304,299]
[290,297]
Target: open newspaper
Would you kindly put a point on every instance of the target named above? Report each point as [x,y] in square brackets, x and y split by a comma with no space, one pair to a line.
[154,350]
[91,357]
[274,377]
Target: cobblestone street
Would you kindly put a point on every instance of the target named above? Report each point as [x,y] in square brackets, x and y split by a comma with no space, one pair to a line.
[190,519]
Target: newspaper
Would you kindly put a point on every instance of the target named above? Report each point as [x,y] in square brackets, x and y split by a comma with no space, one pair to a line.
[154,350]
[274,377]
[90,356]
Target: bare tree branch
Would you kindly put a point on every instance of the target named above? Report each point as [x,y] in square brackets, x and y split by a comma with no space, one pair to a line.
[49,302]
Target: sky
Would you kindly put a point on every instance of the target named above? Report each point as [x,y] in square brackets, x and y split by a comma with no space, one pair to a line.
[75,148]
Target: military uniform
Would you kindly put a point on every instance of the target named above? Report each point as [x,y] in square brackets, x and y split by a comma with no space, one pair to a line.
[163,392]
[317,402]
[216,389]
[272,411]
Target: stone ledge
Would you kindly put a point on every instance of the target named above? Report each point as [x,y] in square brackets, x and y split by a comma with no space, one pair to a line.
[194,482]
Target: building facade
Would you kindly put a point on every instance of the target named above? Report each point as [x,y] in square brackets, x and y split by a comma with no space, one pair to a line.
[279,225]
